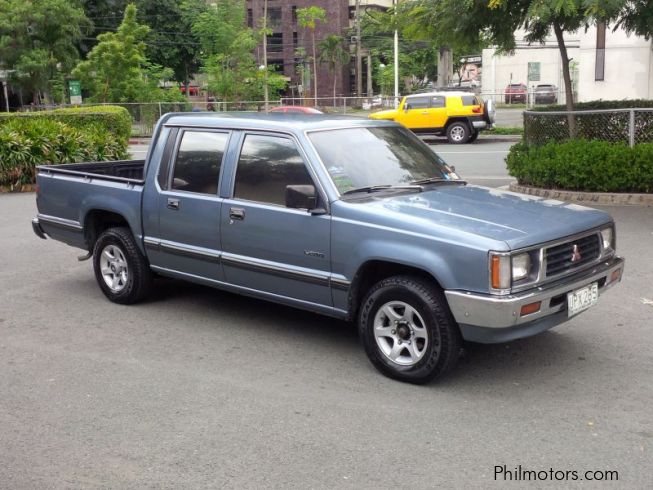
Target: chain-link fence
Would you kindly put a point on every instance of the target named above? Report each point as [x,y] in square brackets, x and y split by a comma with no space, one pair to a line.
[630,126]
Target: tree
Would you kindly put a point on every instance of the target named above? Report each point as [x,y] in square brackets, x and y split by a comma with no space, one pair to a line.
[170,41]
[308,18]
[227,52]
[117,70]
[38,42]
[333,52]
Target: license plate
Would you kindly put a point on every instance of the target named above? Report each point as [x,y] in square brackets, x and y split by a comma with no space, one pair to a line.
[582,298]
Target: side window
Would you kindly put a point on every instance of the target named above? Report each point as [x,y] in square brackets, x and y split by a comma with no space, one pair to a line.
[197,167]
[417,103]
[267,164]
[469,100]
[438,102]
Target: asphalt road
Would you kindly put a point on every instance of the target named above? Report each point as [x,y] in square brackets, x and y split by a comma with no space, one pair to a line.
[196,388]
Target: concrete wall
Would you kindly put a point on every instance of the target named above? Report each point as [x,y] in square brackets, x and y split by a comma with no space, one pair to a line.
[627,73]
[501,70]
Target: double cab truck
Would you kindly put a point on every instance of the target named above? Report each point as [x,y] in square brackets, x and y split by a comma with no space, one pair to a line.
[353,218]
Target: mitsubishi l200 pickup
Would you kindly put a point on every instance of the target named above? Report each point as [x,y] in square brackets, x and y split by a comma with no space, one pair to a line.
[353,218]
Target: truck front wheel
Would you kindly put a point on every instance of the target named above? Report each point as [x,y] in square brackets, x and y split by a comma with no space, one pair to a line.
[408,331]
[121,270]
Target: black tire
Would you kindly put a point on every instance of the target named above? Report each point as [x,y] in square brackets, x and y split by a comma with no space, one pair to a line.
[458,133]
[442,350]
[136,282]
[473,137]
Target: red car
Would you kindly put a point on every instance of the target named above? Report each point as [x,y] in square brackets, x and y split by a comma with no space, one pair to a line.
[192,90]
[516,92]
[296,109]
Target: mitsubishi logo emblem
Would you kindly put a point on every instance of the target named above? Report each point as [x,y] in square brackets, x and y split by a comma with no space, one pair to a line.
[575,254]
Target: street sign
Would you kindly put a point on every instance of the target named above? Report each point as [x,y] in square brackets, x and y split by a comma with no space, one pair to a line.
[75,90]
[534,71]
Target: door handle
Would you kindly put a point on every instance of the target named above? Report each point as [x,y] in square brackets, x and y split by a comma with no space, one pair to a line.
[173,203]
[237,213]
[425,113]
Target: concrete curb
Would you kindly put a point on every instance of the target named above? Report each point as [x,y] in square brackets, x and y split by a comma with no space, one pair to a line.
[601,198]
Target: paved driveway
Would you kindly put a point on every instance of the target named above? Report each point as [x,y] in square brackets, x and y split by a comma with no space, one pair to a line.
[202,389]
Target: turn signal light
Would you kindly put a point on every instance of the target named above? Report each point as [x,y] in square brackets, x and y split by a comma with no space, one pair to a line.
[616,274]
[500,271]
[530,308]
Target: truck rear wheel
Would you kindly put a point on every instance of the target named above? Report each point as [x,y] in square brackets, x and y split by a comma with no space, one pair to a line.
[121,270]
[407,330]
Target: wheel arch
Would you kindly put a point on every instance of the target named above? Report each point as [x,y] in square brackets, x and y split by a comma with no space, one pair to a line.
[375,270]
[98,220]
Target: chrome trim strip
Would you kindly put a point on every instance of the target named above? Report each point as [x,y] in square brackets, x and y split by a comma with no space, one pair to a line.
[341,284]
[68,224]
[297,303]
[235,261]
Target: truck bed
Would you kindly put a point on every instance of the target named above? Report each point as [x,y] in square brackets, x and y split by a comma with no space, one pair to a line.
[66,193]
[121,170]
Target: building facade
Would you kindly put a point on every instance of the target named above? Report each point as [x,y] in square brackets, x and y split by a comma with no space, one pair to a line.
[605,64]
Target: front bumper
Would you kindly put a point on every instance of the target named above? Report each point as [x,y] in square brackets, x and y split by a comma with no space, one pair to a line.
[487,318]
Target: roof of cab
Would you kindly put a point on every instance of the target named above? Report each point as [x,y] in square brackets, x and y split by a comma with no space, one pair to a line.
[289,122]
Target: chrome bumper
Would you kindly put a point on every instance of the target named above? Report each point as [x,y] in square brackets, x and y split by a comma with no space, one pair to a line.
[503,312]
[36,226]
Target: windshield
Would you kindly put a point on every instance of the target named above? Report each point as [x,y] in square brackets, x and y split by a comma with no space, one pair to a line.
[381,156]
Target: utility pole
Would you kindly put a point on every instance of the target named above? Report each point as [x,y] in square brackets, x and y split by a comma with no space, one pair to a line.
[396,103]
[359,60]
[266,95]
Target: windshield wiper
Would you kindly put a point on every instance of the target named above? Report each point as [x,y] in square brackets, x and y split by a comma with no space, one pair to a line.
[376,188]
[438,180]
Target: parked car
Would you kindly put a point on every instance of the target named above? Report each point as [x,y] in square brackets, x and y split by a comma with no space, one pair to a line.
[348,217]
[458,115]
[546,94]
[516,92]
[192,89]
[295,109]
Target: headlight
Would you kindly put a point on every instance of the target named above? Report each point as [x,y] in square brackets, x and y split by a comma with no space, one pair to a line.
[521,266]
[608,240]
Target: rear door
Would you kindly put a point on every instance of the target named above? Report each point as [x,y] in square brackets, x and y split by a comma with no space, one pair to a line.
[267,246]
[189,208]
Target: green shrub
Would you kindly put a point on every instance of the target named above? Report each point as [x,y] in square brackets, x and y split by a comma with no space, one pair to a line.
[595,105]
[26,142]
[114,119]
[581,165]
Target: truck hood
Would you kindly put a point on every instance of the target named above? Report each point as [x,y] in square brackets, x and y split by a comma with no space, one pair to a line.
[517,219]
[390,114]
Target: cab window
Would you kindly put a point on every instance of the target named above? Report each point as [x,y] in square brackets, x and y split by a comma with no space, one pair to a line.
[417,103]
[198,162]
[438,102]
[268,164]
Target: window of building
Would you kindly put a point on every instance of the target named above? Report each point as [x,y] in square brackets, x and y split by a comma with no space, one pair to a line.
[267,164]
[295,40]
[250,18]
[274,17]
[198,162]
[275,42]
[599,66]
[293,9]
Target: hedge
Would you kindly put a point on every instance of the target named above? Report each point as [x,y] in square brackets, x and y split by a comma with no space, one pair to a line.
[26,142]
[596,105]
[114,119]
[581,165]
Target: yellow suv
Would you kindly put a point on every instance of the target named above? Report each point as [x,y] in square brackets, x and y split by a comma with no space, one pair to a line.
[458,115]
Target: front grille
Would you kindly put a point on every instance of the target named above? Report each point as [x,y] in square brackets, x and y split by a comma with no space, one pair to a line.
[558,258]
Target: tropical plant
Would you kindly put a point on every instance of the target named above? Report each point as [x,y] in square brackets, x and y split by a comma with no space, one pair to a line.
[308,17]
[334,53]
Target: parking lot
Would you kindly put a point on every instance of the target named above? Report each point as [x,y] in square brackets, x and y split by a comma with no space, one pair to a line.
[197,388]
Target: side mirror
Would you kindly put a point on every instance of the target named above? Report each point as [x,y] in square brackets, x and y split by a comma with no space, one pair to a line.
[301,197]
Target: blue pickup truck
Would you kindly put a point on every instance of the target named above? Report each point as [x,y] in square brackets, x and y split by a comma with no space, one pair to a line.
[347,217]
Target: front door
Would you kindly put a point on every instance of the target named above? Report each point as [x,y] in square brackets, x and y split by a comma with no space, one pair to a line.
[267,246]
[415,114]
[189,207]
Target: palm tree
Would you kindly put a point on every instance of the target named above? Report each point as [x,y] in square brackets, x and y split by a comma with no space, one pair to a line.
[308,17]
[332,51]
